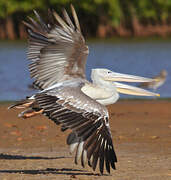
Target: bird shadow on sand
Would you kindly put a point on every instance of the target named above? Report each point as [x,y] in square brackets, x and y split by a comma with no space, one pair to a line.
[64,171]
[13,157]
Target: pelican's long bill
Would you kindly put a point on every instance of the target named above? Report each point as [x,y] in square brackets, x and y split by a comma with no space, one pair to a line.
[112,76]
[131,90]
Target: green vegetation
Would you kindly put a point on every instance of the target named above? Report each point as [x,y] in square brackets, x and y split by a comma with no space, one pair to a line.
[98,17]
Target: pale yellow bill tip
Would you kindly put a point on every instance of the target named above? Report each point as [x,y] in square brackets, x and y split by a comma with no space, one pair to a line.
[158,95]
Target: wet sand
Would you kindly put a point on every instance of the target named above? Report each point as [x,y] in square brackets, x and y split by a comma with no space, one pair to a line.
[36,149]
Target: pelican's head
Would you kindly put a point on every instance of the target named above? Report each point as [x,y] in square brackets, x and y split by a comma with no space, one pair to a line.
[103,76]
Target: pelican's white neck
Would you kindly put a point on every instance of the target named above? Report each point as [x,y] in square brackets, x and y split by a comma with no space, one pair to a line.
[108,86]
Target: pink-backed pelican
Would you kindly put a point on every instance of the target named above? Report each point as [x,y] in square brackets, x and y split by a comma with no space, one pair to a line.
[58,53]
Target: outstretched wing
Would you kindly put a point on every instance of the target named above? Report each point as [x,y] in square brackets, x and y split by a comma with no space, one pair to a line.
[91,136]
[57,50]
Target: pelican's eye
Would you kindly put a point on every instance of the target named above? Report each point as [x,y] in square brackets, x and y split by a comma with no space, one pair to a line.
[109,72]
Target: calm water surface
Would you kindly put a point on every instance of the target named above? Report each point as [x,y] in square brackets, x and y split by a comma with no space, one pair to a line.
[137,58]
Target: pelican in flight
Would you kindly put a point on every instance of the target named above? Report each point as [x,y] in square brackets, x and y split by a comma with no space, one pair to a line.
[57,54]
[158,81]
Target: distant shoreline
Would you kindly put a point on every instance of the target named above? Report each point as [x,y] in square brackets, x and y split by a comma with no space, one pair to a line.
[113,39]
[6,102]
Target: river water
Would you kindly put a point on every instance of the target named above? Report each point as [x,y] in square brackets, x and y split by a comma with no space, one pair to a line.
[137,58]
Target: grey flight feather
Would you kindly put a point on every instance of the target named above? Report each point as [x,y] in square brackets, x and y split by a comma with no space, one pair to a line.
[57,51]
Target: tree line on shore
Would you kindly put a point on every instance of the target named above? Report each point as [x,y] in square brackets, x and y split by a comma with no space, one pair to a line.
[98,18]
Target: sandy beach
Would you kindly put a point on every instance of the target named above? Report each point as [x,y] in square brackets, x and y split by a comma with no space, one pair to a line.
[35,148]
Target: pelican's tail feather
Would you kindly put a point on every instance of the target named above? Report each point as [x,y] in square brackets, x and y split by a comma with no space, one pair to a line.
[30,106]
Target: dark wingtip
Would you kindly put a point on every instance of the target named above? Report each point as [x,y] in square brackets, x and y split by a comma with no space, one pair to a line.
[72,138]
[13,105]
[89,163]
[10,107]
[63,128]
